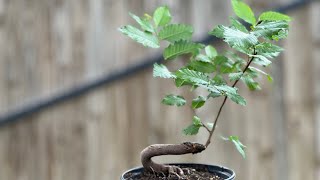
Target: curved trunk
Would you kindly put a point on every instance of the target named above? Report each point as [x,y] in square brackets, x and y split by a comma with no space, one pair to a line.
[167,149]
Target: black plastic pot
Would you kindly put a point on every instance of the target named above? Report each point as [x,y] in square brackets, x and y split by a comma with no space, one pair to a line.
[222,172]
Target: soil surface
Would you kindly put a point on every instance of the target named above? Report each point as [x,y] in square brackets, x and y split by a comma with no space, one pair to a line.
[189,174]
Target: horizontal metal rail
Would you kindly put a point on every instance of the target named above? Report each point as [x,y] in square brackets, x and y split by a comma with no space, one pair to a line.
[31,108]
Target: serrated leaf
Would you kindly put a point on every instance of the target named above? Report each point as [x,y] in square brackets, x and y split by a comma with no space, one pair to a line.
[145,24]
[201,66]
[160,70]
[176,32]
[239,146]
[231,92]
[268,50]
[211,52]
[198,102]
[261,60]
[235,76]
[139,36]
[174,100]
[235,38]
[180,48]
[194,77]
[272,30]
[243,11]
[273,16]
[161,16]
[193,129]
[237,25]
[250,82]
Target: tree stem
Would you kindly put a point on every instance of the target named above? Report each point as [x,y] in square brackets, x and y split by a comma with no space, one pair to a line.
[223,103]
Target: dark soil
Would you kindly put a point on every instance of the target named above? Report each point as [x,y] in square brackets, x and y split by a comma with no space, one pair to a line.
[189,174]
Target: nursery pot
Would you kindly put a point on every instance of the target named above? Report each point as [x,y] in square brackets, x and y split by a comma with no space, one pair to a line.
[220,171]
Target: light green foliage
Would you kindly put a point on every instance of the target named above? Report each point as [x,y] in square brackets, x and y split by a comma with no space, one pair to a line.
[243,11]
[145,38]
[216,73]
[160,70]
[174,100]
[239,146]
[176,32]
[161,16]
[198,102]
[273,16]
[180,48]
[193,129]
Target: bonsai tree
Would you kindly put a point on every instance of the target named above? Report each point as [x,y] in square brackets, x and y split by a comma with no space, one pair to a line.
[251,50]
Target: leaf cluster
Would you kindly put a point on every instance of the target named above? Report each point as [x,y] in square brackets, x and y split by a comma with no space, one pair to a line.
[206,68]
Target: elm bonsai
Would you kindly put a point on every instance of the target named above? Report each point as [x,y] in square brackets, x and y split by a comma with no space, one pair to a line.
[251,48]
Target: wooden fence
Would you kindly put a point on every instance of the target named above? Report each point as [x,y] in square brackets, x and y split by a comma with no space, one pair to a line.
[50,46]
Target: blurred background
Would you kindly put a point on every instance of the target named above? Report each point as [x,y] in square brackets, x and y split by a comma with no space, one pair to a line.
[65,114]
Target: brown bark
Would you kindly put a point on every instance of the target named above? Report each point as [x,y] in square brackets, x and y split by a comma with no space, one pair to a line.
[167,149]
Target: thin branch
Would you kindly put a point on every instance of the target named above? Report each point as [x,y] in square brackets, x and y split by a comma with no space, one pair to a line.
[224,101]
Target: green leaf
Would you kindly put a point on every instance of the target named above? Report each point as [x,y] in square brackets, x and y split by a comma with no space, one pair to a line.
[203,58]
[250,82]
[268,50]
[270,79]
[160,70]
[231,92]
[235,38]
[272,30]
[180,48]
[198,102]
[260,60]
[243,11]
[141,37]
[176,32]
[210,125]
[235,76]
[211,52]
[219,80]
[202,66]
[161,16]
[174,100]
[181,82]
[194,77]
[145,24]
[273,16]
[193,129]
[214,94]
[239,146]
[237,25]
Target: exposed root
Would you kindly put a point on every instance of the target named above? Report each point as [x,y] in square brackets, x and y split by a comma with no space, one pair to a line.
[168,149]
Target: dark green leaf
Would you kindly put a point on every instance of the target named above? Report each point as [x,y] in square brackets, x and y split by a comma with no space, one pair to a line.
[250,82]
[160,70]
[193,129]
[273,16]
[161,16]
[198,102]
[237,25]
[174,100]
[141,37]
[231,92]
[180,48]
[145,24]
[194,77]
[243,11]
[176,32]
[202,66]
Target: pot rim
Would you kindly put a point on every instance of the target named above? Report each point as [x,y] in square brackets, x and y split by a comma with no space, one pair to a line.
[219,168]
